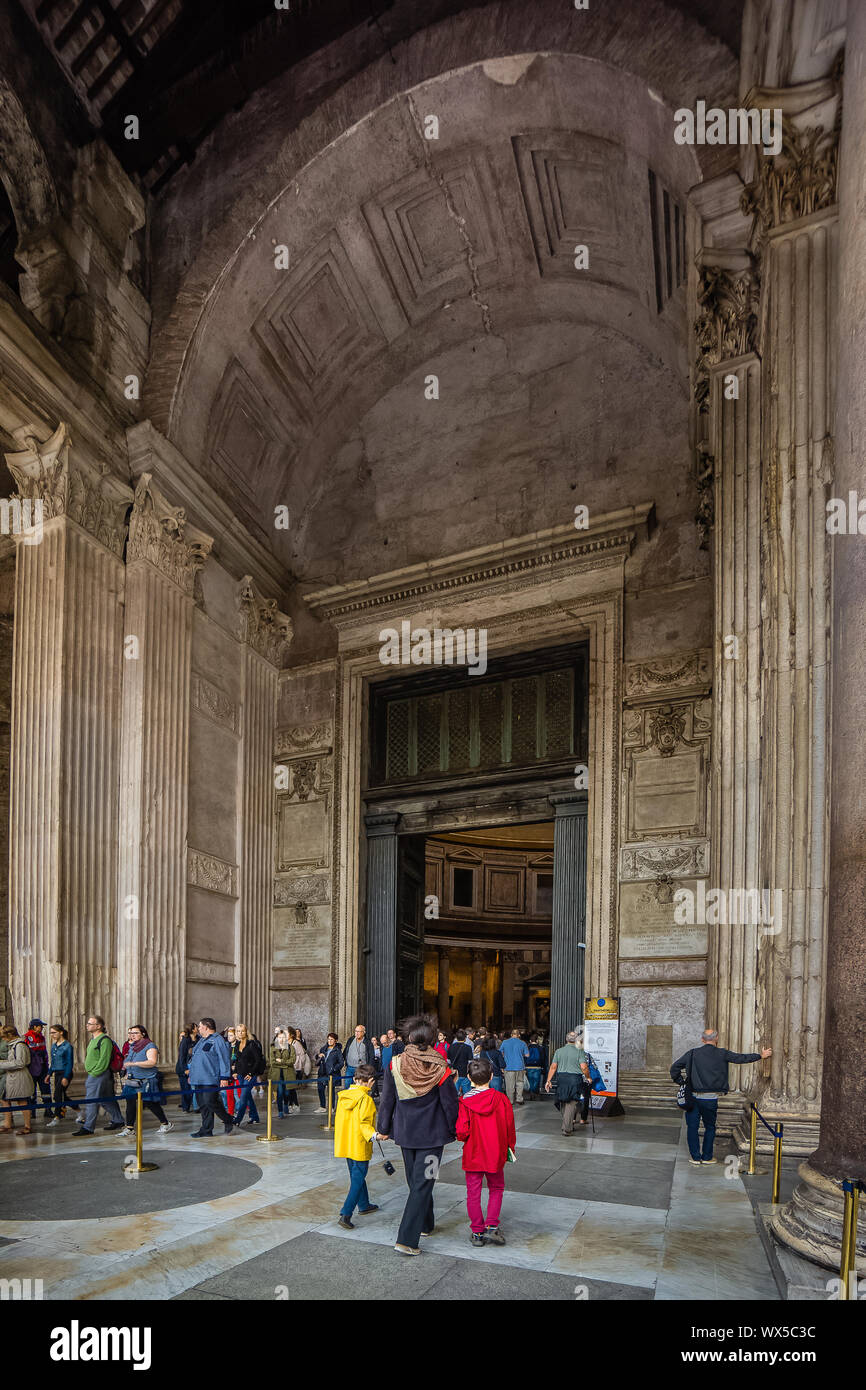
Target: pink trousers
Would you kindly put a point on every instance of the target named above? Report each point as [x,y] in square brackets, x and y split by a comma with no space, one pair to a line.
[495,1191]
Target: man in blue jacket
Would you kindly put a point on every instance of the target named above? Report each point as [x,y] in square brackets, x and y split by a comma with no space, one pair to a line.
[209,1069]
[706,1070]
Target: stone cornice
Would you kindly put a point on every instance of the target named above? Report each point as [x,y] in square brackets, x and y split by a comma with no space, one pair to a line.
[608,538]
[68,485]
[260,623]
[160,535]
[233,546]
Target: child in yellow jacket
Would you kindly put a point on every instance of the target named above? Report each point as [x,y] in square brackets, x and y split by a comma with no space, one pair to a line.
[354,1129]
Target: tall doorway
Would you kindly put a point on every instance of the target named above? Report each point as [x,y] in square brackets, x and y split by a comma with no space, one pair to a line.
[476,846]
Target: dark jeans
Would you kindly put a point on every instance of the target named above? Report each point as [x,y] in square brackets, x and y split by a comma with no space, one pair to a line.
[421,1174]
[44,1084]
[210,1103]
[152,1105]
[585,1094]
[701,1110]
[357,1195]
[322,1084]
[186,1098]
[282,1097]
[60,1101]
[246,1099]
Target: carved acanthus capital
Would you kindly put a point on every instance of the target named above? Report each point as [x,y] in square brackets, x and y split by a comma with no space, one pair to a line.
[798,181]
[160,534]
[728,299]
[705,473]
[68,485]
[261,624]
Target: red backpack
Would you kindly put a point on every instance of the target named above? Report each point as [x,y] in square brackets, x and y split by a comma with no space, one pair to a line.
[116,1063]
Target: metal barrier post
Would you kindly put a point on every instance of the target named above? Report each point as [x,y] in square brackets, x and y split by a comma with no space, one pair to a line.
[139,1119]
[848,1264]
[777,1164]
[753,1139]
[269,1138]
[330,1099]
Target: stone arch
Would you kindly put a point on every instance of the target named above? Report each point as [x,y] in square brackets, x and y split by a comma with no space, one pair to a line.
[502,33]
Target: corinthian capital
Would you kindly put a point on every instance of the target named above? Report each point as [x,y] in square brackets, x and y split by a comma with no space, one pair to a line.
[69,485]
[261,624]
[160,534]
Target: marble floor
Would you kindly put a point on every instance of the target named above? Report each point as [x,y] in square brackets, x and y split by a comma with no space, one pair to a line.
[618,1214]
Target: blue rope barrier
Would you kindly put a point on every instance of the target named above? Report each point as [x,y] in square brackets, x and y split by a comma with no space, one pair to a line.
[158,1096]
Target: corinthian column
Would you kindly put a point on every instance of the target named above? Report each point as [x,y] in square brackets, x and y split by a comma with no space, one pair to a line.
[265,634]
[163,557]
[795,234]
[728,397]
[67,660]
[811,1222]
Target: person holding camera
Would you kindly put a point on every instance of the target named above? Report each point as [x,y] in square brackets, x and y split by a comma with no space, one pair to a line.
[354,1131]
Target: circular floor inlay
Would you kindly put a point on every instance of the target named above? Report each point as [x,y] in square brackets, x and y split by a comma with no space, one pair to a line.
[82,1186]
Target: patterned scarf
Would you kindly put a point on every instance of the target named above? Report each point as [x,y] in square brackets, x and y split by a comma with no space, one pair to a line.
[416,1071]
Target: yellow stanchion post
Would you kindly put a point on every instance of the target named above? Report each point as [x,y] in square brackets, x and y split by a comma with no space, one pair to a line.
[848,1263]
[269,1138]
[753,1139]
[330,1101]
[777,1164]
[139,1120]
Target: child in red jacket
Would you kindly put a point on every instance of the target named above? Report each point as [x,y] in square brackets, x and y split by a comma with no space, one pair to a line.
[485,1123]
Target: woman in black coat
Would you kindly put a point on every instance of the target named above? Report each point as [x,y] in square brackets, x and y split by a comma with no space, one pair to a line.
[419,1108]
[188,1039]
[330,1062]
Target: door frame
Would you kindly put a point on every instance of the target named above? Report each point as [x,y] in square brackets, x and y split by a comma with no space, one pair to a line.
[534,592]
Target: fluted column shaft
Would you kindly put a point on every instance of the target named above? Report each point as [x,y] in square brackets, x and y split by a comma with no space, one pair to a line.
[256,842]
[153,812]
[569,916]
[64,765]
[735,434]
[800,284]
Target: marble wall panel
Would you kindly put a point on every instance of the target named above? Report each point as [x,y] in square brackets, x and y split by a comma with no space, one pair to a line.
[216,1001]
[647,925]
[211,926]
[680,1007]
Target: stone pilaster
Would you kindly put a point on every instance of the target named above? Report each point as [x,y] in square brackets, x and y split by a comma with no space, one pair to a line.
[164,556]
[265,633]
[811,1222]
[569,916]
[734,462]
[381,968]
[68,655]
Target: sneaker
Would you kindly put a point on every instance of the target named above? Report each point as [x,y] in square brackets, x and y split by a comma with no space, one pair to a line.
[346,1224]
[163,1129]
[79,1133]
[200,1134]
[368,1210]
[320,1110]
[428,1233]
[127,1129]
[477,1239]
[228,1129]
[705,1161]
[115,1124]
[406,1250]
[494,1236]
[695,1162]
[52,1123]
[252,1122]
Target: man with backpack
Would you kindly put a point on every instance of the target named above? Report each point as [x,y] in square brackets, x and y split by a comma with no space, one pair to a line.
[101,1061]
